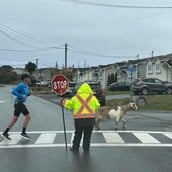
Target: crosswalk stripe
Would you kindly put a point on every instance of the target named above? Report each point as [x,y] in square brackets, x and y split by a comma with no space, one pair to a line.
[113,138]
[100,138]
[15,138]
[72,137]
[169,135]
[71,140]
[100,131]
[146,138]
[2,101]
[45,139]
[92,145]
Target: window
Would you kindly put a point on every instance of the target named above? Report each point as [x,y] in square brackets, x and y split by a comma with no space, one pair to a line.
[149,68]
[157,81]
[158,68]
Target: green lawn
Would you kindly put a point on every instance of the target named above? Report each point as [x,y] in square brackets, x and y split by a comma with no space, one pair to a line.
[117,92]
[154,102]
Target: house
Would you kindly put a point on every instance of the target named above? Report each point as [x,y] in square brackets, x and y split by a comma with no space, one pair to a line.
[125,71]
[20,71]
[160,67]
[98,74]
[43,74]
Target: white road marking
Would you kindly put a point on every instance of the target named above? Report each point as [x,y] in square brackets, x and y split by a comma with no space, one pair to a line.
[2,101]
[72,137]
[101,131]
[92,145]
[146,138]
[113,138]
[169,135]
[71,140]
[15,138]
[45,139]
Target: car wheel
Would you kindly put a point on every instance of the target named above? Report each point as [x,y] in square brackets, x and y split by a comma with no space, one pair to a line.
[169,90]
[145,91]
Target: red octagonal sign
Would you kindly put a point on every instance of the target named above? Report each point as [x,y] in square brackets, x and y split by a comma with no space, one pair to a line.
[59,84]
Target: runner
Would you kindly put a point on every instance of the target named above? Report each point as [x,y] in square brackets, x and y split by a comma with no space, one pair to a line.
[21,91]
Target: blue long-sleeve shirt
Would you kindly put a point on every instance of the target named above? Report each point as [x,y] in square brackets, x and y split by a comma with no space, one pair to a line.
[21,91]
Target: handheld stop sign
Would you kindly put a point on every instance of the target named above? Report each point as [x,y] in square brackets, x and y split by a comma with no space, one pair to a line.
[60,85]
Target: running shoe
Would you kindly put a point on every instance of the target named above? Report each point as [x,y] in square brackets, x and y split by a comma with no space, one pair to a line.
[25,136]
[6,136]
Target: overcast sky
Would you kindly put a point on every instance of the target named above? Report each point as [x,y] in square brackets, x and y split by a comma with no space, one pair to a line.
[97,33]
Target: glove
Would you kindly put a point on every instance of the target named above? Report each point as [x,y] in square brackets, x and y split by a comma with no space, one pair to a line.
[61,101]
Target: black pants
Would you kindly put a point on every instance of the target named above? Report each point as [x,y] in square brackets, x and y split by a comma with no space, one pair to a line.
[83,127]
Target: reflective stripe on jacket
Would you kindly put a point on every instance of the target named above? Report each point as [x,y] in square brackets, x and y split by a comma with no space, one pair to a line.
[84,104]
[84,111]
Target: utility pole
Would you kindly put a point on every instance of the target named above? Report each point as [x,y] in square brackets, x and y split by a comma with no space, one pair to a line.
[36,69]
[36,63]
[152,53]
[84,63]
[137,65]
[65,56]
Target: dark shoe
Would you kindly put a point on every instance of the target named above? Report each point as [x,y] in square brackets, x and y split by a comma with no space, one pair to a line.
[86,151]
[73,150]
[25,136]
[6,136]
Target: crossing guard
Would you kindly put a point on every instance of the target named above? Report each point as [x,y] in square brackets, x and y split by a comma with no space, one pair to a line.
[84,105]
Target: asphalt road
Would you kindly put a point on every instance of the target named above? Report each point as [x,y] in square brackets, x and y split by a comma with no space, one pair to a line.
[145,145]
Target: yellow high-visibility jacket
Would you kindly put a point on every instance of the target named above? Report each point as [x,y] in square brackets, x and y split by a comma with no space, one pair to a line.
[84,104]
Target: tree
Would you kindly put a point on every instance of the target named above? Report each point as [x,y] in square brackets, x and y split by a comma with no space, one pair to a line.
[7,75]
[30,67]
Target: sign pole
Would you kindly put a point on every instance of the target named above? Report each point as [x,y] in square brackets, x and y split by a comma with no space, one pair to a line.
[64,126]
[59,85]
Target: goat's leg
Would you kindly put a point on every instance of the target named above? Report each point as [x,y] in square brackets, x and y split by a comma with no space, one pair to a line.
[116,122]
[97,121]
[97,124]
[124,122]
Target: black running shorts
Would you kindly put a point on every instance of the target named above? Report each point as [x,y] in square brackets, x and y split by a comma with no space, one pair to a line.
[20,107]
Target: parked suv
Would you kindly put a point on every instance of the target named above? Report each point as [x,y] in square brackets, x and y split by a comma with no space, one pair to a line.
[97,90]
[147,85]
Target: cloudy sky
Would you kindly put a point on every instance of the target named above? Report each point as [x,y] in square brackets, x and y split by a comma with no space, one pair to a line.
[97,32]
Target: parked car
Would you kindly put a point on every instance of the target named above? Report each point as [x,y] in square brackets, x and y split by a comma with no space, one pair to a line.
[97,90]
[43,84]
[119,86]
[146,85]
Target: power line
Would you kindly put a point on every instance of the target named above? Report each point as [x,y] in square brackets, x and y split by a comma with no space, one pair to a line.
[114,5]
[95,54]
[16,60]
[28,38]
[27,51]
[15,40]
[23,36]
